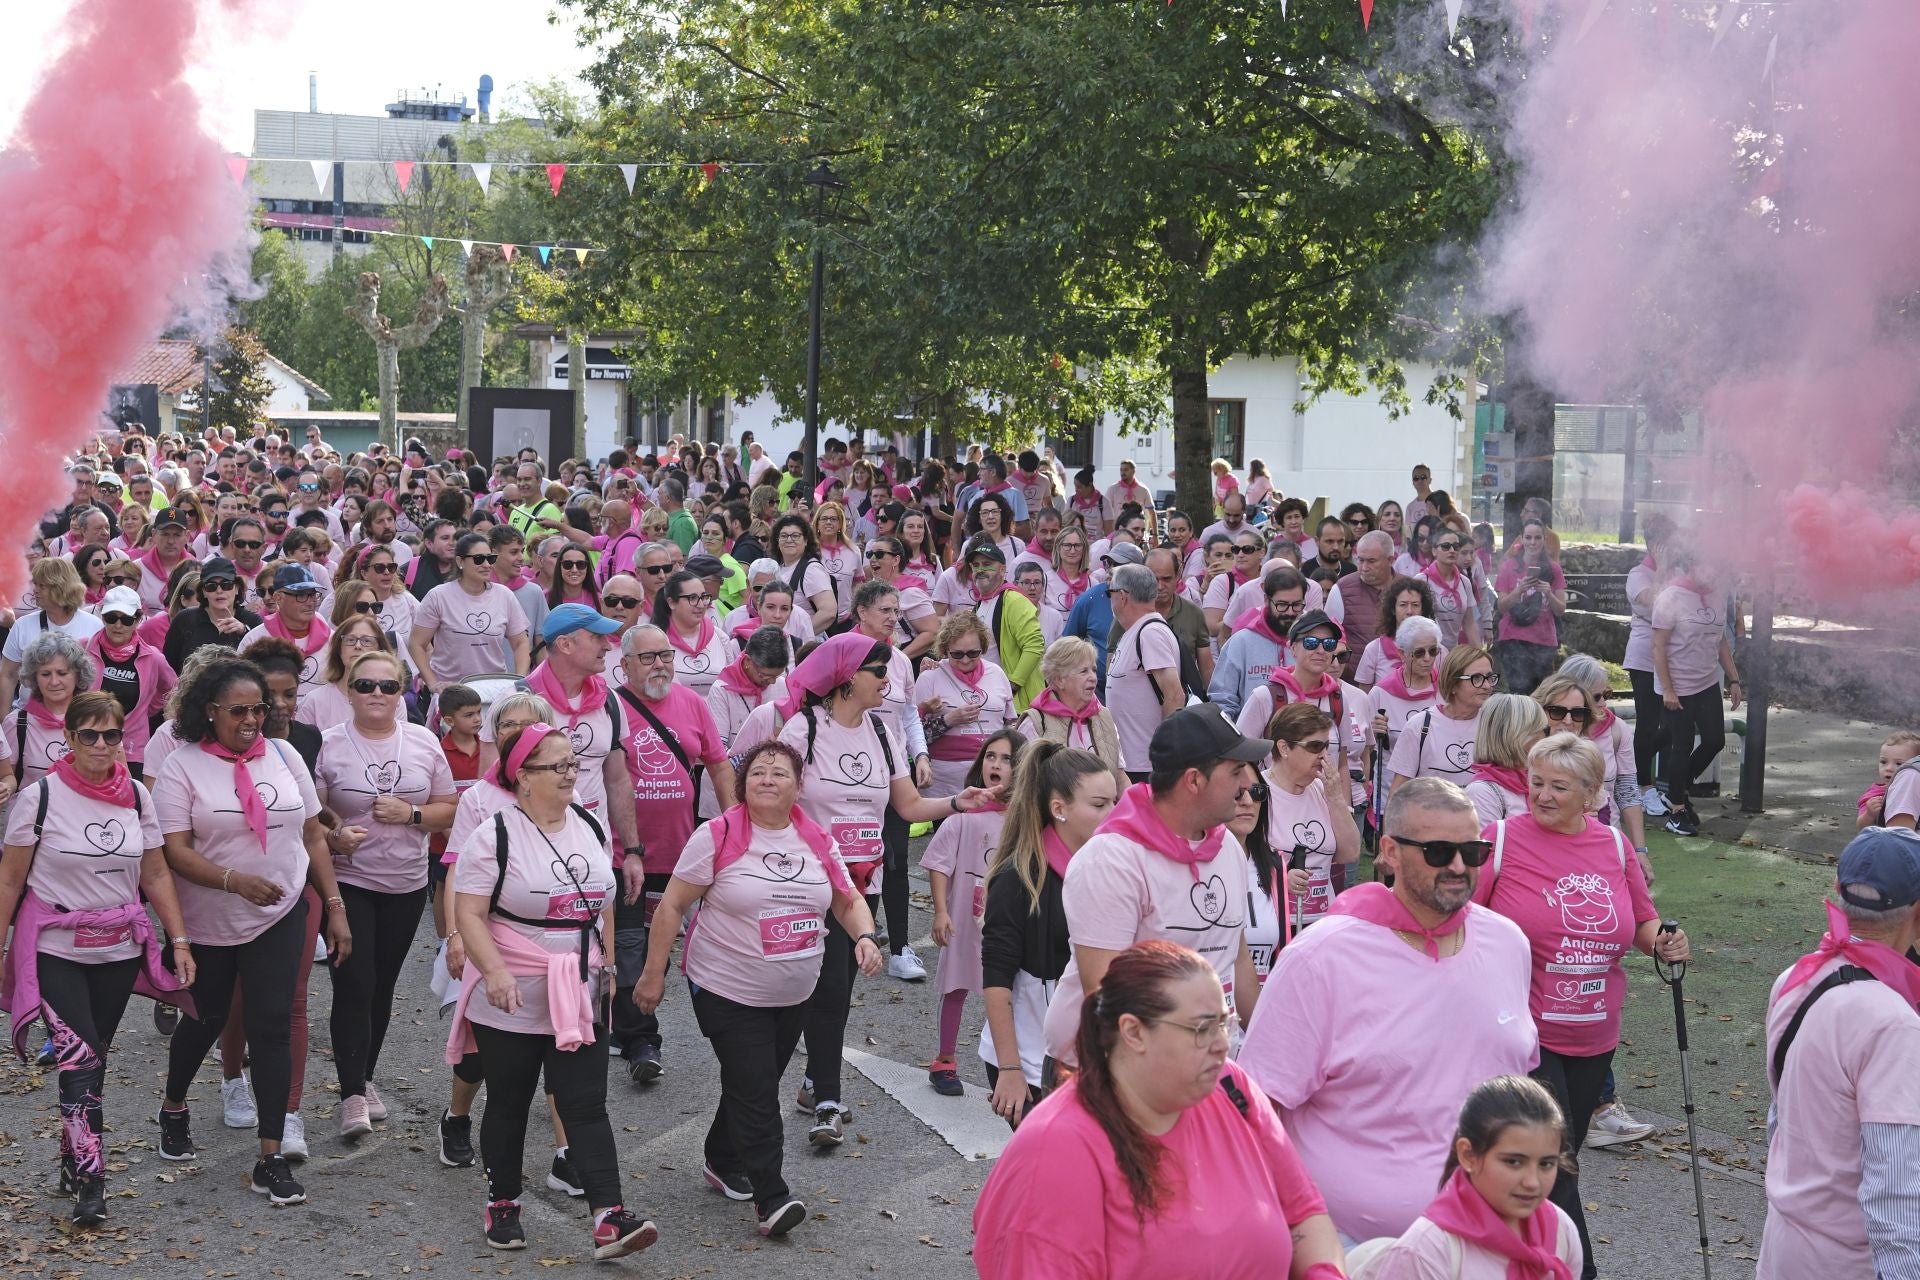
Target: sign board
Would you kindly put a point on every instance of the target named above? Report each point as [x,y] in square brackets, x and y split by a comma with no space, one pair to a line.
[1600,592]
[504,420]
[135,402]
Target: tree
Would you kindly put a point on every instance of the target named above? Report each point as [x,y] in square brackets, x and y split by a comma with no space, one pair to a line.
[240,384]
[389,341]
[489,278]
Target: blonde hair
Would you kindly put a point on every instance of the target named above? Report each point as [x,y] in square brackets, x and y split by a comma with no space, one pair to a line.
[1043,771]
[957,625]
[1454,669]
[377,655]
[1559,685]
[1063,657]
[56,582]
[1904,738]
[1571,754]
[1510,724]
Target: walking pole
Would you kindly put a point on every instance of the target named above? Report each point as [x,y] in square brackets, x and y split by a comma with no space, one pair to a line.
[1674,975]
[1297,861]
[1377,801]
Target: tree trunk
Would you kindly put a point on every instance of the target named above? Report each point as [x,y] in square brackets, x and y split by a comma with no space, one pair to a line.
[389,354]
[1530,418]
[1192,431]
[489,282]
[577,383]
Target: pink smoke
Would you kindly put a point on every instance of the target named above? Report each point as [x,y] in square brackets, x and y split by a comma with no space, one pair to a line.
[1699,229]
[113,204]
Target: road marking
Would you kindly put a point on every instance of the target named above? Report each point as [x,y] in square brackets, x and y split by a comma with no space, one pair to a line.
[967,1124]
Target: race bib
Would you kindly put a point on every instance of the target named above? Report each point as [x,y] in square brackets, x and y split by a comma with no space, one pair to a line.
[649,903]
[789,933]
[94,938]
[1318,898]
[858,841]
[979,902]
[574,905]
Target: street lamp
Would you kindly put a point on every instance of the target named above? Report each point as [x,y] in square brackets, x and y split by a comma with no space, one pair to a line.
[823,180]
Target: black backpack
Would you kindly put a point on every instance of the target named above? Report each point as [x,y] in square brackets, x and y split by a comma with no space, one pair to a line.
[1190,681]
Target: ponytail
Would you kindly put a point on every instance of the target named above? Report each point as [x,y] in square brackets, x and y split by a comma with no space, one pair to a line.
[1044,770]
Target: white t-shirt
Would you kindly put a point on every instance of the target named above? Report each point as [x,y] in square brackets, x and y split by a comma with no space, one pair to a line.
[1136,708]
[353,771]
[1303,821]
[1697,625]
[88,859]
[33,747]
[1435,746]
[1639,655]
[83,626]
[697,670]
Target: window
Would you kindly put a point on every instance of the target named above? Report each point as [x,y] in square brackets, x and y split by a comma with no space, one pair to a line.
[1229,420]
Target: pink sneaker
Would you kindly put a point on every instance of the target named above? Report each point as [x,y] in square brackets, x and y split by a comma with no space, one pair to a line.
[353,1118]
[376,1109]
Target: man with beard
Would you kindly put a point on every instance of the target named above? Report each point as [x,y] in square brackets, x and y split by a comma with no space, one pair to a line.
[1250,655]
[1417,964]
[379,524]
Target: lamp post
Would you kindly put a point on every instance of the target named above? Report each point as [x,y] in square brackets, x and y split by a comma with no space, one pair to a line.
[822,179]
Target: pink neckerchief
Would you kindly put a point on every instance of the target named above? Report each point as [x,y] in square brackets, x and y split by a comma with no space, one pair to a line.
[43,717]
[117,790]
[514,583]
[313,642]
[1048,703]
[995,594]
[1647,562]
[1451,588]
[1532,1254]
[971,681]
[593,693]
[1377,904]
[733,833]
[1286,679]
[1255,620]
[112,654]
[1506,777]
[150,558]
[734,679]
[1395,683]
[1388,649]
[1136,818]
[700,641]
[1686,581]
[1604,724]
[1877,958]
[251,806]
[1056,851]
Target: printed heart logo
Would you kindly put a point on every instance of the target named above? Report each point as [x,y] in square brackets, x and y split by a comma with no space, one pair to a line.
[479,622]
[106,836]
[384,777]
[1706,613]
[580,737]
[310,670]
[1460,756]
[570,870]
[57,751]
[1566,988]
[856,767]
[696,664]
[269,795]
[781,866]
[1310,834]
[1209,899]
[975,697]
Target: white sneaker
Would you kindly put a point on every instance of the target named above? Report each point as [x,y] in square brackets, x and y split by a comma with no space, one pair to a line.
[1611,1126]
[236,1104]
[293,1138]
[1653,802]
[320,949]
[907,967]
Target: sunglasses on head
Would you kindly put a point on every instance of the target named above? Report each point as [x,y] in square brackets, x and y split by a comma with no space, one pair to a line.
[1311,643]
[1579,715]
[1441,853]
[388,687]
[118,619]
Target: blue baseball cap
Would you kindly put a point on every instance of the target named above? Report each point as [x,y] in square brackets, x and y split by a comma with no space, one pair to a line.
[292,576]
[1880,869]
[572,617]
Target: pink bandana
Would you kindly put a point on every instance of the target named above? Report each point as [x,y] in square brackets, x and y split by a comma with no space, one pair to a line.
[1056,851]
[698,643]
[1049,704]
[734,679]
[733,832]
[45,718]
[1136,818]
[1877,958]
[1395,683]
[1285,678]
[971,681]
[1431,574]
[1255,620]
[313,642]
[251,806]
[593,693]
[1376,904]
[117,790]
[1532,1254]
[1503,776]
[826,668]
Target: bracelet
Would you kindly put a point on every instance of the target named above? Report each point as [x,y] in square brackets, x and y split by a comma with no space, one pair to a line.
[328,903]
[224,877]
[180,942]
[953,804]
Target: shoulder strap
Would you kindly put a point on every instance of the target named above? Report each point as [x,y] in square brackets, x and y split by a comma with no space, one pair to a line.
[672,744]
[19,744]
[1456,1256]
[1426,727]
[612,707]
[40,809]
[593,823]
[1499,851]
[1235,1096]
[1838,978]
[499,860]
[886,743]
[1619,849]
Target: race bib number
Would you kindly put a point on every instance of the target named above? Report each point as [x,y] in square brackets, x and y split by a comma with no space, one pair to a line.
[979,902]
[858,841]
[93,938]
[1318,898]
[788,933]
[649,903]
[574,906]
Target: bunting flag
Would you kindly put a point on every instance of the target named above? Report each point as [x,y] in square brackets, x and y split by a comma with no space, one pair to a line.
[281,222]
[483,174]
[237,166]
[580,256]
[466,246]
[1453,16]
[1366,15]
[427,241]
[712,170]
[506,251]
[545,251]
[629,172]
[323,177]
[403,174]
[555,172]
[1594,9]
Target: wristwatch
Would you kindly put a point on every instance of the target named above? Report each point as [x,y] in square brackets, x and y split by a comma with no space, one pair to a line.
[874,938]
[634,851]
[414,821]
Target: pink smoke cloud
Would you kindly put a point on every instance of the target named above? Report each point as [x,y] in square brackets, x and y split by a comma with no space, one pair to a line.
[1693,231]
[113,207]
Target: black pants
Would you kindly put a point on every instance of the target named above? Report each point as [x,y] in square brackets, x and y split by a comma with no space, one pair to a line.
[1524,664]
[383,926]
[87,1002]
[1700,714]
[894,887]
[513,1062]
[273,963]
[1649,733]
[826,1024]
[631,937]
[754,1046]
[1576,1084]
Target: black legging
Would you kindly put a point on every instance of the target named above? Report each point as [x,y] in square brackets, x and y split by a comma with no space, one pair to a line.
[1700,714]
[1576,1084]
[513,1062]
[87,1002]
[1649,732]
[383,926]
[826,1028]
[273,964]
[893,881]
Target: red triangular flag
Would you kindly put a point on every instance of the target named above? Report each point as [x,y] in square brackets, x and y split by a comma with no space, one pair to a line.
[555,172]
[403,174]
[1366,14]
[237,166]
[506,251]
[712,169]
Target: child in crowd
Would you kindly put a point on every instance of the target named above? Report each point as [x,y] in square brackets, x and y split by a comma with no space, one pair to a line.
[1894,752]
[460,713]
[956,863]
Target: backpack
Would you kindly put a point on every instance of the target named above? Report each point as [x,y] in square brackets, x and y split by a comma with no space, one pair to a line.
[1190,682]
[587,928]
[1840,977]
[139,810]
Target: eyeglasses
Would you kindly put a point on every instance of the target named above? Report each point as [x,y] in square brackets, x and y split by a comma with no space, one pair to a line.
[1311,643]
[483,559]
[656,569]
[359,641]
[1579,715]
[248,544]
[1425,651]
[242,711]
[1314,746]
[565,769]
[118,619]
[1287,606]
[581,565]
[1485,680]
[964,655]
[1441,853]
[94,737]
[620,602]
[701,599]
[1204,1032]
[388,687]
[367,606]
[652,656]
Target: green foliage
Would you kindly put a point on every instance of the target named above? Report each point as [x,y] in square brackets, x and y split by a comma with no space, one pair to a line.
[241,387]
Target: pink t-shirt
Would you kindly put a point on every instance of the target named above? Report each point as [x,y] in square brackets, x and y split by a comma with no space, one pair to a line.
[730,710]
[353,771]
[1579,900]
[1135,706]
[697,670]
[1425,1252]
[961,850]
[1639,655]
[1851,1065]
[478,803]
[1303,821]
[1057,1205]
[1696,624]
[470,631]
[759,933]
[953,752]
[194,792]
[1370,1107]
[1446,751]
[662,789]
[1543,629]
[846,784]
[564,876]
[842,563]
[591,737]
[323,706]
[1399,710]
[37,747]
[88,859]
[311,666]
[1119,892]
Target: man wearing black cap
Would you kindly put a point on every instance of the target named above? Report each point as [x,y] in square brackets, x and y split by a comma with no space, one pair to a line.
[157,563]
[1163,866]
[1843,1038]
[1011,620]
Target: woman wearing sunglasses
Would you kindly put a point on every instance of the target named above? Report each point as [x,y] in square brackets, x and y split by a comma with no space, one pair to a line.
[1583,681]
[381,572]
[219,619]
[130,669]
[1406,689]
[90,562]
[330,703]
[1571,885]
[573,580]
[459,628]
[1305,834]
[963,699]
[1455,597]
[1510,724]
[1439,744]
[914,625]
[390,785]
[74,966]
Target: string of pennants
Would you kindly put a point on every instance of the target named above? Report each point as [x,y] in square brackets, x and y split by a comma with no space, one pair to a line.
[1722,23]
[466,243]
[482,171]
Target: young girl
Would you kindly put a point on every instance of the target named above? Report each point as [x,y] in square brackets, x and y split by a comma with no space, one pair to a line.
[956,862]
[1492,1211]
[1894,752]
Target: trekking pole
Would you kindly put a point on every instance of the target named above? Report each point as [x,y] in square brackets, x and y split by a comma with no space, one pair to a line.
[1377,801]
[1674,975]
[1297,861]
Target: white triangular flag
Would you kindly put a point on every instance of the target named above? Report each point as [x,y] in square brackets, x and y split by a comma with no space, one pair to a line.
[628,171]
[483,174]
[323,177]
[1453,16]
[1723,22]
[1773,47]
[580,255]
[1594,9]
[466,246]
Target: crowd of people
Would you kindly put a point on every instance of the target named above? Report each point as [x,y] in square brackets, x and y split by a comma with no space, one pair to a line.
[581,716]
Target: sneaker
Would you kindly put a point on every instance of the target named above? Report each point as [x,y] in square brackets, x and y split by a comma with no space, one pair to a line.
[69,1176]
[90,1203]
[643,1064]
[236,1104]
[46,1057]
[353,1118]
[782,1217]
[166,1018]
[828,1130]
[907,967]
[734,1186]
[293,1137]
[619,1233]
[503,1225]
[273,1178]
[376,1109]
[456,1140]
[176,1136]
[944,1074]
[1653,802]
[562,1177]
[1612,1125]
[1684,822]
[803,1101]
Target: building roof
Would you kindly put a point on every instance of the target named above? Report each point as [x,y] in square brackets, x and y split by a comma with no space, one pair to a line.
[172,364]
[314,390]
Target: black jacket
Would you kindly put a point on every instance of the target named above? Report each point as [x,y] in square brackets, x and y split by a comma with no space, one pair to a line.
[1015,939]
[190,629]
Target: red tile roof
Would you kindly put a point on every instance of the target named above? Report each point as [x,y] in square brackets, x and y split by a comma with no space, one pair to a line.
[172,364]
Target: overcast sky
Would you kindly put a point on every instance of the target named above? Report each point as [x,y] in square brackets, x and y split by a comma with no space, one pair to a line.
[363,50]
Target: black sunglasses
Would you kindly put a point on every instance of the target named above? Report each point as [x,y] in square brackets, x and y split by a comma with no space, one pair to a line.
[366,606]
[658,569]
[620,602]
[217,584]
[1579,715]
[1441,853]
[388,687]
[118,619]
[382,568]
[248,545]
[483,559]
[94,737]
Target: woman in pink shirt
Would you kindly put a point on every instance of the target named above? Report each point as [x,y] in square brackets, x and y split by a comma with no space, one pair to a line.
[1438,743]
[759,883]
[963,698]
[1126,1170]
[325,705]
[1405,688]
[683,610]
[83,846]
[922,564]
[1299,819]
[1577,893]
[54,668]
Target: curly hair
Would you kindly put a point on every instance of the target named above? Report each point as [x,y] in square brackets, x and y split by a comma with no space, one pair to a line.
[959,624]
[200,689]
[49,645]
